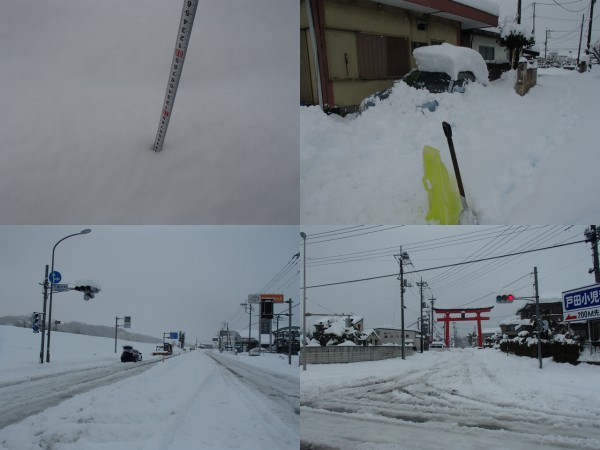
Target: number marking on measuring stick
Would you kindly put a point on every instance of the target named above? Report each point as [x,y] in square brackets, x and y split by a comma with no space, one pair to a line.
[183,39]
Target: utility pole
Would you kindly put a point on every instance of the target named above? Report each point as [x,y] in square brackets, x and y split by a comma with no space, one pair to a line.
[591,235]
[303,236]
[116,327]
[248,309]
[519,12]
[538,317]
[580,37]
[289,302]
[402,259]
[590,25]
[546,45]
[421,285]
[533,31]
[432,300]
[46,283]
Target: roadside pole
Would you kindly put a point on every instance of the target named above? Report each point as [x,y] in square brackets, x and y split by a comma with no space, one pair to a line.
[44,314]
[289,331]
[537,314]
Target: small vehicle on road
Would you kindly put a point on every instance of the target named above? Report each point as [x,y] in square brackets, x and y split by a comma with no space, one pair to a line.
[130,354]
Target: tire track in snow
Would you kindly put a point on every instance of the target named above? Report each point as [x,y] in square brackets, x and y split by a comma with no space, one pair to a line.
[429,399]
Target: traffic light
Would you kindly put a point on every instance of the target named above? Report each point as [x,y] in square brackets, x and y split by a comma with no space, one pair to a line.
[35,322]
[506,298]
[89,291]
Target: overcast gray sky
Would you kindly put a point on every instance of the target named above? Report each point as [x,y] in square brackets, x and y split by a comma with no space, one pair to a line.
[562,16]
[344,254]
[168,278]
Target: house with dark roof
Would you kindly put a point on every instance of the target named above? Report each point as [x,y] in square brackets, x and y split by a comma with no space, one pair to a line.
[350,49]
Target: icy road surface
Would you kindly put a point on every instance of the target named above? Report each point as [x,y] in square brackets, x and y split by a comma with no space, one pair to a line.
[23,398]
[469,399]
[191,401]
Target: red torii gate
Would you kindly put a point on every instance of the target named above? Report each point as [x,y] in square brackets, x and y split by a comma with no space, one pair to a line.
[463,312]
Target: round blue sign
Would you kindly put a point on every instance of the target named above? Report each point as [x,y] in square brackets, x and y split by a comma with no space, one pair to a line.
[54,277]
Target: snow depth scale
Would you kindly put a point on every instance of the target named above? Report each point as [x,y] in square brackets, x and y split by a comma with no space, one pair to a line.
[181,45]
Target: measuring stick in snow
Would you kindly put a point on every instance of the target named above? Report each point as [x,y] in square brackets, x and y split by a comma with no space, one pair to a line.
[183,39]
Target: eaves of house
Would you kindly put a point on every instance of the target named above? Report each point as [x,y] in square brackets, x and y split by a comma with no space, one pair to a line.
[468,16]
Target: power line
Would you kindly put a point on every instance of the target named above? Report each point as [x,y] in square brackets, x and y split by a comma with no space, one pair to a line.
[446,265]
[355,235]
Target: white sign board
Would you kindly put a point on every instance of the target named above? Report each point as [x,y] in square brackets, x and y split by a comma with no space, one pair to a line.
[254,298]
[582,304]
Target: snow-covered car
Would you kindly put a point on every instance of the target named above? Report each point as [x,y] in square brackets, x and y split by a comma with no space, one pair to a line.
[437,345]
[254,351]
[130,354]
[440,68]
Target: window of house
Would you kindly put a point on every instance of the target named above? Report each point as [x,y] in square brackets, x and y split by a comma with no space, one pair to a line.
[418,44]
[382,56]
[486,52]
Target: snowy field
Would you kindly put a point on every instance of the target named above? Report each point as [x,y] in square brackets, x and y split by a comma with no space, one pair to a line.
[83,84]
[526,159]
[467,399]
[195,399]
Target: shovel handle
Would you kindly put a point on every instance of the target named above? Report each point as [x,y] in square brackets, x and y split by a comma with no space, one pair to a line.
[448,132]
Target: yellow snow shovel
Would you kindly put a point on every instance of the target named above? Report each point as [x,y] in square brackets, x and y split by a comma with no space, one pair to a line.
[444,199]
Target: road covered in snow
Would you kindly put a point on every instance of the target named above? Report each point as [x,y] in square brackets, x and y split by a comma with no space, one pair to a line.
[87,399]
[469,399]
[22,398]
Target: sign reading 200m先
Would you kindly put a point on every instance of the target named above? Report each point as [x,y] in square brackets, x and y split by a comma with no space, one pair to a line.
[581,304]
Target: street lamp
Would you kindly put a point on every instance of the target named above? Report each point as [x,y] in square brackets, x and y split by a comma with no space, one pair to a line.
[303,236]
[86,231]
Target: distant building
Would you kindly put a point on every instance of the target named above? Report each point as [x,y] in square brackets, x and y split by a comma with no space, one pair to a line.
[551,310]
[393,336]
[282,339]
[350,49]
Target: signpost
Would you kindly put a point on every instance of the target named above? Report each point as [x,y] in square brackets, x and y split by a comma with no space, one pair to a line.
[581,304]
[60,287]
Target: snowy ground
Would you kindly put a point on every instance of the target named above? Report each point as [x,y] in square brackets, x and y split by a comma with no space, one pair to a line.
[83,83]
[526,159]
[468,399]
[192,400]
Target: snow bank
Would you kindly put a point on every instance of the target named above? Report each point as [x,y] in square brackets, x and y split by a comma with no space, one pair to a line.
[522,159]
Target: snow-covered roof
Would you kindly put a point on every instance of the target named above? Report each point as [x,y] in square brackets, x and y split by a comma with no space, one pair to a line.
[451,59]
[490,330]
[514,321]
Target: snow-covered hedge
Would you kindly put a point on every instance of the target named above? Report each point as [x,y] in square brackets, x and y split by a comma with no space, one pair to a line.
[560,348]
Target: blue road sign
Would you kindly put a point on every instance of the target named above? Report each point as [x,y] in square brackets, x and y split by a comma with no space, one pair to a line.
[173,335]
[582,303]
[54,277]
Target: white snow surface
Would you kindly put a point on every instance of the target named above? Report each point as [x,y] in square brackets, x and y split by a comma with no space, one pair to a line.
[83,84]
[467,399]
[187,401]
[523,160]
[451,59]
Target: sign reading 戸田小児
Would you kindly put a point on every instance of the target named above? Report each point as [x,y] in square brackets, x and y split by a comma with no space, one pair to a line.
[581,303]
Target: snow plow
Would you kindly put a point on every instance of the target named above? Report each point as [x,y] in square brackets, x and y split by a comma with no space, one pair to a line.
[165,350]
